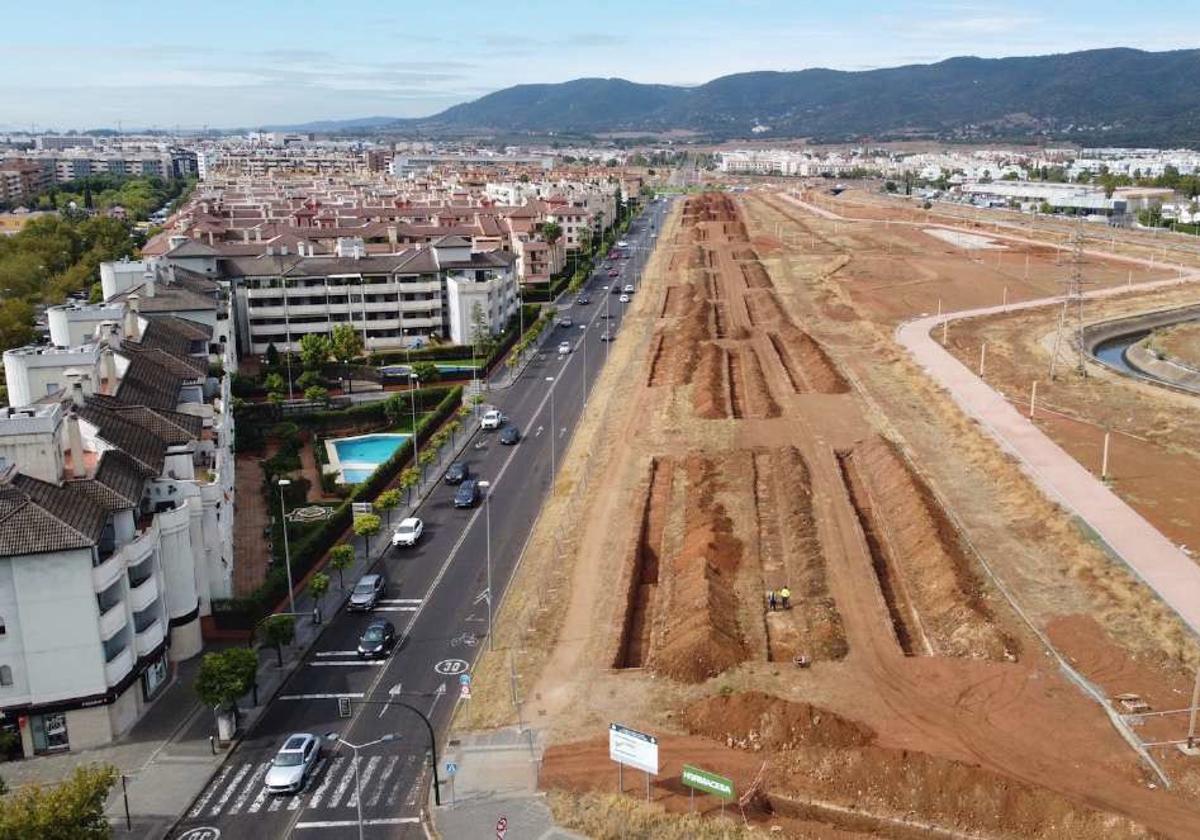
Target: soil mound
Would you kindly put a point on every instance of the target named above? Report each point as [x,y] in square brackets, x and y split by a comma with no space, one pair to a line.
[755,720]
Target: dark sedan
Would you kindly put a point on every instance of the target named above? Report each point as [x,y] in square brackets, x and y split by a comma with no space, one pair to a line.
[377,640]
[509,435]
[458,473]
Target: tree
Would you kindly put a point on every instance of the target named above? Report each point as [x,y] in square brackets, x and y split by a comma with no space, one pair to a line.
[318,585]
[275,384]
[277,631]
[388,501]
[481,331]
[346,343]
[16,324]
[341,557]
[272,354]
[426,372]
[408,480]
[427,457]
[452,428]
[308,379]
[551,232]
[225,676]
[317,394]
[396,408]
[315,349]
[70,810]
[366,526]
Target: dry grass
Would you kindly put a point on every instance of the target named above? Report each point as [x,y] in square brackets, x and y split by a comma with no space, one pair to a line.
[611,816]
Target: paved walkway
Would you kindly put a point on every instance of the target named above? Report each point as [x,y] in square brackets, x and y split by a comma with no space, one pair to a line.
[1153,558]
[495,779]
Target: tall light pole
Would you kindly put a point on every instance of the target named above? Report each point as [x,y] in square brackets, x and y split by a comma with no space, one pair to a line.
[412,392]
[333,736]
[287,554]
[553,467]
[487,516]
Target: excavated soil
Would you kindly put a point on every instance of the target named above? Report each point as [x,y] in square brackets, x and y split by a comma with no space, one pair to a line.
[755,720]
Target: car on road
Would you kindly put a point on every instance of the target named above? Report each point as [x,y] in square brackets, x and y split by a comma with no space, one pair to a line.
[377,639]
[492,419]
[293,763]
[510,435]
[583,300]
[564,347]
[458,472]
[623,299]
[408,532]
[566,321]
[621,243]
[365,594]
[467,495]
[616,289]
[628,288]
[607,336]
[612,272]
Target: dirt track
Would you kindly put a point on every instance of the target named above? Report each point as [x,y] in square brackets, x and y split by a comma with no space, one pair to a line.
[744,459]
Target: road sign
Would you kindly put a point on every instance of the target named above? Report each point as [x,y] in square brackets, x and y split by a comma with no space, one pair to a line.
[203,832]
[464,679]
[707,782]
[501,828]
[344,710]
[451,768]
[637,749]
[450,667]
[465,692]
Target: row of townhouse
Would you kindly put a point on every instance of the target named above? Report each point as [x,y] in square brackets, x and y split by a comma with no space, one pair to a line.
[116,515]
[59,166]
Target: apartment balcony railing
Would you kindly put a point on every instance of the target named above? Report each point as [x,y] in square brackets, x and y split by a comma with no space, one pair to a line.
[107,573]
[113,620]
[149,638]
[142,593]
[118,666]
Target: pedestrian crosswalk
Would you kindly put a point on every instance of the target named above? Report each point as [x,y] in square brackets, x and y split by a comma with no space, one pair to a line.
[238,789]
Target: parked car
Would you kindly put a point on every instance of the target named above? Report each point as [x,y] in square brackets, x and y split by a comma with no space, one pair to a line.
[365,594]
[492,419]
[564,347]
[408,532]
[293,763]
[467,495]
[509,435]
[378,639]
[457,473]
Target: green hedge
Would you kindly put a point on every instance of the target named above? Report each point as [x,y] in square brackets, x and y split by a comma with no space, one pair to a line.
[243,613]
[427,400]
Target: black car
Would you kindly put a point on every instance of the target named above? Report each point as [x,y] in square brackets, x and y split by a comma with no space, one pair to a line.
[458,473]
[378,639]
[583,300]
[616,289]
[468,493]
[509,435]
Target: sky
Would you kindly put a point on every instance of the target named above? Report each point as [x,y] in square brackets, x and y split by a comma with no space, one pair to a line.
[132,64]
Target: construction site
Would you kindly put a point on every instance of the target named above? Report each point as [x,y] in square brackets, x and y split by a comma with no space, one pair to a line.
[962,655]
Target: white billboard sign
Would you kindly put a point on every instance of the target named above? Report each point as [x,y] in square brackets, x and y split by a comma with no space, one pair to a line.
[636,749]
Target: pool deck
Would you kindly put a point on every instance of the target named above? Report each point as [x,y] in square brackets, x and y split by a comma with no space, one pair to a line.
[337,465]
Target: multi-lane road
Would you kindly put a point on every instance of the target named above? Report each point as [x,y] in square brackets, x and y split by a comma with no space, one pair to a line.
[437,597]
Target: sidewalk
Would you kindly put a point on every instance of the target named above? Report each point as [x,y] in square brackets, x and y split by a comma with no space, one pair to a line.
[496,779]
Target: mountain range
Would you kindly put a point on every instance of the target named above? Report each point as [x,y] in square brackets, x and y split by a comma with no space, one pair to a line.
[1114,96]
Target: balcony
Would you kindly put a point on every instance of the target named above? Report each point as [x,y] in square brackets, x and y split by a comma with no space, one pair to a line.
[149,638]
[142,594]
[107,573]
[116,668]
[112,620]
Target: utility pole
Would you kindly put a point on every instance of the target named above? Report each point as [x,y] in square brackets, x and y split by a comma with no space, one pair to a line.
[1073,295]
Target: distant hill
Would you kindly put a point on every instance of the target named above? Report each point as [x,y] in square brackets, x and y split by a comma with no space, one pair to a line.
[1117,96]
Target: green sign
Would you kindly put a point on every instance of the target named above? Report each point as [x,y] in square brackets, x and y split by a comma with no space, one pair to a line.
[707,782]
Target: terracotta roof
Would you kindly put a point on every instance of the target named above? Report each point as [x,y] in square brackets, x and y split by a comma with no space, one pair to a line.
[117,484]
[37,517]
[192,248]
[144,447]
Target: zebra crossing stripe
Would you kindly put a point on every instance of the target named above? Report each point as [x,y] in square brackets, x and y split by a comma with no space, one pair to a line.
[229,789]
[343,785]
[386,774]
[295,801]
[391,800]
[212,788]
[276,804]
[319,793]
[367,773]
[258,802]
[251,786]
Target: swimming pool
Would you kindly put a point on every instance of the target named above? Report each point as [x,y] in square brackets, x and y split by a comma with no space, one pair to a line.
[355,458]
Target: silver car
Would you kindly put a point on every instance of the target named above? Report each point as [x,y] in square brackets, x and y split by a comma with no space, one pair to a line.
[293,763]
[366,593]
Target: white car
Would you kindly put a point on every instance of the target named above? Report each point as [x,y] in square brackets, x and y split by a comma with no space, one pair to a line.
[492,419]
[293,763]
[408,532]
[564,347]
[624,298]
[628,289]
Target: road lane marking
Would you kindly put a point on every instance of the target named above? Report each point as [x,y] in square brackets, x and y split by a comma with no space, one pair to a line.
[343,785]
[367,773]
[294,802]
[336,653]
[353,823]
[388,769]
[396,609]
[276,804]
[319,793]
[259,801]
[399,600]
[254,784]
[229,789]
[351,664]
[212,789]
[354,695]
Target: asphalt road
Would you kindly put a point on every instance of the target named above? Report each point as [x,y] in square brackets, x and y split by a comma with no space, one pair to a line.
[436,597]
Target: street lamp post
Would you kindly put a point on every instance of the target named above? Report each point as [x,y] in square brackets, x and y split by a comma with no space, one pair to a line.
[333,736]
[412,392]
[287,554]
[487,516]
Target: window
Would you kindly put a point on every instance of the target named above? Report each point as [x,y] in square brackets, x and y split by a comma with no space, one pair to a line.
[5,675]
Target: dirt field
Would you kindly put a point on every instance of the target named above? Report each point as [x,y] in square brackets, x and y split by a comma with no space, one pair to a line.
[757,429]
[1180,343]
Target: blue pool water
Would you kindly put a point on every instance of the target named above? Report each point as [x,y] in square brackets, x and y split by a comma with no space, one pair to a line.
[369,449]
[355,476]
